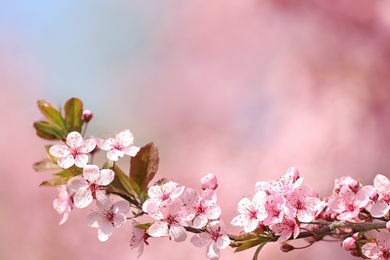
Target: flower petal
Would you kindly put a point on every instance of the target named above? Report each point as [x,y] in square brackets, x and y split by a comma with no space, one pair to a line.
[106,177]
[91,172]
[59,150]
[158,229]
[83,197]
[74,140]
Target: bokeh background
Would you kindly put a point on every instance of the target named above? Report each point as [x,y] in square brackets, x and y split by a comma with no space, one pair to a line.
[242,89]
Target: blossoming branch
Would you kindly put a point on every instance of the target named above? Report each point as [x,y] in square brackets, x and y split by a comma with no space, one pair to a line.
[280,210]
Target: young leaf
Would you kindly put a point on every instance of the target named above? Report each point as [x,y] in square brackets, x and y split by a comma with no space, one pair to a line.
[52,114]
[143,167]
[248,244]
[121,181]
[66,174]
[44,165]
[47,131]
[73,109]
[53,182]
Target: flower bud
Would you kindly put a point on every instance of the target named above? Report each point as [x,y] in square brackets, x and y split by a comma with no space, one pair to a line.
[388,225]
[209,182]
[294,173]
[349,243]
[353,184]
[87,115]
[286,248]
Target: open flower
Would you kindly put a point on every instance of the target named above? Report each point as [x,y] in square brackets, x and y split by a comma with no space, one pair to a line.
[215,238]
[107,217]
[88,186]
[74,152]
[251,212]
[170,221]
[201,206]
[159,195]
[118,146]
[63,204]
[139,238]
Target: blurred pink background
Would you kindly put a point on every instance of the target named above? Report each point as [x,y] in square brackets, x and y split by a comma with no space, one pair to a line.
[242,89]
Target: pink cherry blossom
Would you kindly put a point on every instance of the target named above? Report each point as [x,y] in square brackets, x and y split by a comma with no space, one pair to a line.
[63,204]
[251,212]
[107,217]
[304,203]
[286,184]
[201,206]
[118,146]
[209,182]
[215,238]
[275,207]
[381,206]
[139,238]
[159,195]
[379,250]
[287,228]
[348,204]
[89,186]
[170,221]
[74,152]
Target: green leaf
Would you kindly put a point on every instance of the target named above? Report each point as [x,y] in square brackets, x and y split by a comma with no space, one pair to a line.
[52,114]
[250,236]
[247,245]
[47,131]
[144,226]
[66,174]
[44,165]
[122,181]
[143,167]
[53,182]
[73,109]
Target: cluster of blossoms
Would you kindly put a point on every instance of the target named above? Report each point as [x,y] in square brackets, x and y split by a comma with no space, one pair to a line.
[279,211]
[80,191]
[284,206]
[173,208]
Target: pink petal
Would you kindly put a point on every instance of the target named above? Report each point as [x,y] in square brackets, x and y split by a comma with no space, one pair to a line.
[158,229]
[379,209]
[125,138]
[66,162]
[223,242]
[212,251]
[119,220]
[87,146]
[102,198]
[74,140]
[93,219]
[250,225]
[177,232]
[91,173]
[114,155]
[103,144]
[131,150]
[75,183]
[122,207]
[59,151]
[81,160]
[201,239]
[105,231]
[83,197]
[106,177]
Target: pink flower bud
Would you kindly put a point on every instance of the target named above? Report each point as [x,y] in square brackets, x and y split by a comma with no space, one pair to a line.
[353,184]
[209,182]
[87,115]
[388,225]
[294,173]
[349,243]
